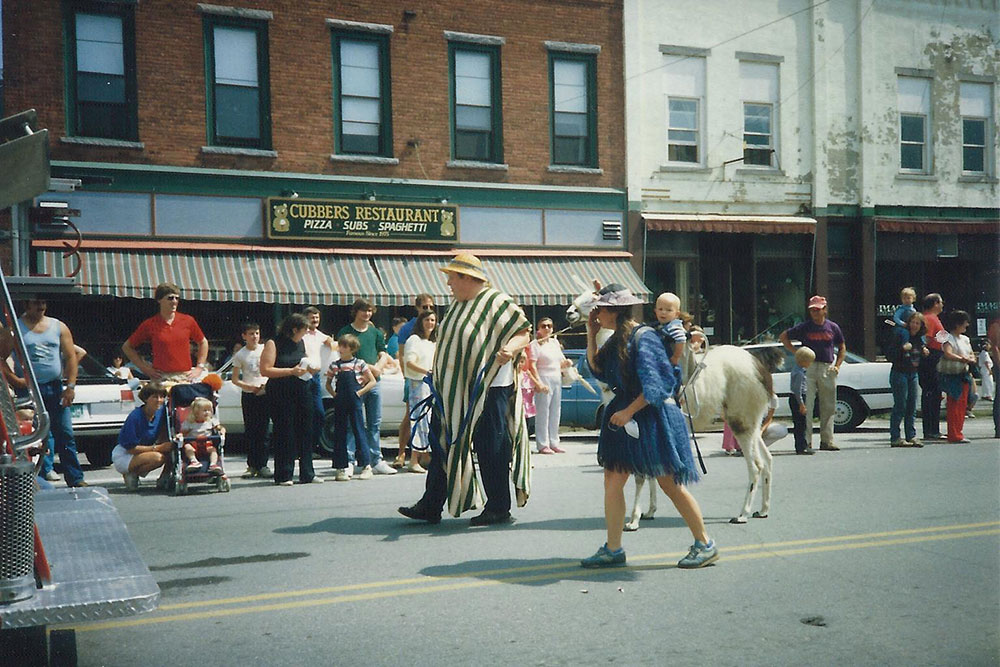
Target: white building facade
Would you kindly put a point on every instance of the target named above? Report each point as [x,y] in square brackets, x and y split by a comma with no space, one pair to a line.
[778,149]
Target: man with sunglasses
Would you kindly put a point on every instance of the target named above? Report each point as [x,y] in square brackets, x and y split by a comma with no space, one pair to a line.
[169,334]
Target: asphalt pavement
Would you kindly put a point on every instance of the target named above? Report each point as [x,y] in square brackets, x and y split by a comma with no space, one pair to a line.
[871,555]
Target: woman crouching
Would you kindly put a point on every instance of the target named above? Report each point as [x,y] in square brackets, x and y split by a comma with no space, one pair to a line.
[639,373]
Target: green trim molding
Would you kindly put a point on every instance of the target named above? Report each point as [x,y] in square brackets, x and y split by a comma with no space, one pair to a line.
[908,212]
[120,177]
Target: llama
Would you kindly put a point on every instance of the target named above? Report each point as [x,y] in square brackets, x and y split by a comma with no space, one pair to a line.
[724,379]
[729,380]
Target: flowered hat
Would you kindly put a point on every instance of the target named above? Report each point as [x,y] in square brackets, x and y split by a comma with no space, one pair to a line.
[817,302]
[616,295]
[467,264]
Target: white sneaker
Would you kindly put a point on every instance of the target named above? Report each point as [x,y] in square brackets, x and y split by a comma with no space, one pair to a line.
[343,475]
[265,472]
[52,476]
[383,468]
[366,473]
[131,481]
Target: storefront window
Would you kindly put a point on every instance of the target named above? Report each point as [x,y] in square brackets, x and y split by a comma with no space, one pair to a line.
[780,294]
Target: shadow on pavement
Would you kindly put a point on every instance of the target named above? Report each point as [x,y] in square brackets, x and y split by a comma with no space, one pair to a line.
[538,572]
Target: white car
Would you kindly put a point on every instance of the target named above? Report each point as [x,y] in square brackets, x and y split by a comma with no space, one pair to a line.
[102,403]
[391,394]
[862,386]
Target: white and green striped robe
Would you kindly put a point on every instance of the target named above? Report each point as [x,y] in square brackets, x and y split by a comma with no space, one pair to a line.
[470,335]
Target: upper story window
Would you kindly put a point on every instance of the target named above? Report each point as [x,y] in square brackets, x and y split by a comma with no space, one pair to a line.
[976,109]
[914,100]
[759,90]
[685,87]
[239,105]
[101,73]
[475,92]
[362,101]
[574,109]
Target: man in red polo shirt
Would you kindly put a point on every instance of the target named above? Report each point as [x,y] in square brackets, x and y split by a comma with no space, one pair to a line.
[930,390]
[170,335]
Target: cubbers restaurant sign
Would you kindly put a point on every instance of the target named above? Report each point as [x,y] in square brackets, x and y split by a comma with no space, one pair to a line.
[328,220]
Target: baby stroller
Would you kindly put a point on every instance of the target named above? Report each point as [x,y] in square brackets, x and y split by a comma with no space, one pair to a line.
[178,405]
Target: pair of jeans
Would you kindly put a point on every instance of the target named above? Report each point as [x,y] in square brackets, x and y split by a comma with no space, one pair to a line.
[930,394]
[996,401]
[256,415]
[798,425]
[318,413]
[61,425]
[904,404]
[373,423]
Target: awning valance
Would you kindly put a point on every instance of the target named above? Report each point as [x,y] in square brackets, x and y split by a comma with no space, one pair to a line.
[221,276]
[531,280]
[926,226]
[732,224]
[321,277]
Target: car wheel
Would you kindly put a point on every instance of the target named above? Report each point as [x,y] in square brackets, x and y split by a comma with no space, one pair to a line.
[325,440]
[99,452]
[849,412]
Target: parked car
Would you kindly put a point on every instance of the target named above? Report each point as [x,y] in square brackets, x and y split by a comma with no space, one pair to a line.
[580,407]
[102,403]
[862,386]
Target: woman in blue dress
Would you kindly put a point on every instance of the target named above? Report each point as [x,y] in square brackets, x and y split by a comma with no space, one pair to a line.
[634,364]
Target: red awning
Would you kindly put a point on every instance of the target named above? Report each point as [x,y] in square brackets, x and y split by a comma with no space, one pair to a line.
[731,224]
[925,226]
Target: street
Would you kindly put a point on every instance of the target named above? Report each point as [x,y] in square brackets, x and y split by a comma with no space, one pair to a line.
[871,555]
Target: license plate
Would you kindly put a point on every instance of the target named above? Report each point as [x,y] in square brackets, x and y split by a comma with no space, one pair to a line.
[77,411]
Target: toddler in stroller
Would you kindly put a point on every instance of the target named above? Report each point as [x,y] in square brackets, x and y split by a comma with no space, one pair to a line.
[200,439]
[197,430]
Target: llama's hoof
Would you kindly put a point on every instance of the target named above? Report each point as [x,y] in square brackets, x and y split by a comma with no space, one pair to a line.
[758,515]
[648,517]
[738,519]
[631,527]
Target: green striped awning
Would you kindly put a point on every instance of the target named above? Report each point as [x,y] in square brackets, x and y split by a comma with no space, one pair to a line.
[531,280]
[222,276]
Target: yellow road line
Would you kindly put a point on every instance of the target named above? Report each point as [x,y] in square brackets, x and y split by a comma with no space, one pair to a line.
[554,573]
[553,566]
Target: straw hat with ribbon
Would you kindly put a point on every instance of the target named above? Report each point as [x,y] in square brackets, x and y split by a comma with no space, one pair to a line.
[467,264]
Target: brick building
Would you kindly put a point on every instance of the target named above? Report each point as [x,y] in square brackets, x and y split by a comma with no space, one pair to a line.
[268,154]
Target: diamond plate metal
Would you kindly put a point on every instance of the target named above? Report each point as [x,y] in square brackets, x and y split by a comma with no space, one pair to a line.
[97,572]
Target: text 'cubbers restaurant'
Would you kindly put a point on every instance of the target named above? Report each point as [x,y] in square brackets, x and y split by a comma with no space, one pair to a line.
[258,245]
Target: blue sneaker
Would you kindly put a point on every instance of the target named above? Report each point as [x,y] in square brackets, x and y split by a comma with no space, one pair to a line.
[699,556]
[605,558]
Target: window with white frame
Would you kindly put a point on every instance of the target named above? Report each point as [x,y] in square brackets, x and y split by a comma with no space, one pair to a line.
[975,107]
[914,102]
[685,87]
[759,92]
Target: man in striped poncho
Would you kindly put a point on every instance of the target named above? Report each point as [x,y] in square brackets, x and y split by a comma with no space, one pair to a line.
[478,338]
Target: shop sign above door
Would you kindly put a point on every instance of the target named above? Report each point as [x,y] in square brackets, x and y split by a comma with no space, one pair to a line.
[381,222]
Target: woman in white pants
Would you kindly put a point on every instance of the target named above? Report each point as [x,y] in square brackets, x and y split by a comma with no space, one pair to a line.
[549,362]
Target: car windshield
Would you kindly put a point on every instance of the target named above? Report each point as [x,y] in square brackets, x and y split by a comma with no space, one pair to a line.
[90,367]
